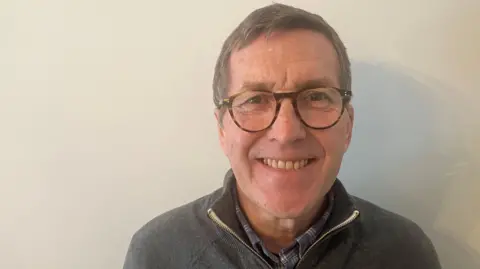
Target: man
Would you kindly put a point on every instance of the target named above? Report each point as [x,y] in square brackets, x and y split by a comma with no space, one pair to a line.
[282,91]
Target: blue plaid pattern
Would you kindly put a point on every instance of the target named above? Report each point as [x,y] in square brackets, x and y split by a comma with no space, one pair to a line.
[290,256]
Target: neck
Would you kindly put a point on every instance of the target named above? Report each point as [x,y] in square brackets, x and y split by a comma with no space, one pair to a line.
[278,233]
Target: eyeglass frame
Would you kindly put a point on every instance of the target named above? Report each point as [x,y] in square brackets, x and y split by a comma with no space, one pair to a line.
[346,95]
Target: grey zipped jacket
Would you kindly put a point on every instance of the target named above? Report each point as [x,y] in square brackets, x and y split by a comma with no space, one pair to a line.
[206,234]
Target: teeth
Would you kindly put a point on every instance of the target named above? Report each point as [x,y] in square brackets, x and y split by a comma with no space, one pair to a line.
[296,165]
[287,165]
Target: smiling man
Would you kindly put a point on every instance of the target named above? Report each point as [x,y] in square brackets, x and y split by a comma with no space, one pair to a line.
[282,90]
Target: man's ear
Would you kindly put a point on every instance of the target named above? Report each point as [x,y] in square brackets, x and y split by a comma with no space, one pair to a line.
[221,131]
[349,128]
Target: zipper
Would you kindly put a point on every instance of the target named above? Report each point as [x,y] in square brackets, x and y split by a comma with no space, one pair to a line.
[336,228]
[225,227]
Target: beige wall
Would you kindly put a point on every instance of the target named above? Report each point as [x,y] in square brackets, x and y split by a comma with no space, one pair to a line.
[106,119]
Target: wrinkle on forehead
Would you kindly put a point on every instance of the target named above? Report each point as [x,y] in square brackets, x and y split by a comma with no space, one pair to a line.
[283,82]
[285,59]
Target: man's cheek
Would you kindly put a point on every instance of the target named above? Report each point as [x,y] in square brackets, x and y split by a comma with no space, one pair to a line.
[231,149]
[235,151]
[331,146]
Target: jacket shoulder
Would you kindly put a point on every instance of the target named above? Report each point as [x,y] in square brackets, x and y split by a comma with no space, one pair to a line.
[373,215]
[394,239]
[164,239]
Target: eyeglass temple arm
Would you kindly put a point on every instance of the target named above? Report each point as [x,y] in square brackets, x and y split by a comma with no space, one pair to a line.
[224,102]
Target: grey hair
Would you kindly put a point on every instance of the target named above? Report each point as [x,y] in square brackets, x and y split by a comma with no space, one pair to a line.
[268,19]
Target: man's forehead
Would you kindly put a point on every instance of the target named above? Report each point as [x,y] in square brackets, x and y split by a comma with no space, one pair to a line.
[292,57]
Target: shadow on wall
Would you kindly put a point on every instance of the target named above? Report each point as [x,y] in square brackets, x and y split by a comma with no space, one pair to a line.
[405,156]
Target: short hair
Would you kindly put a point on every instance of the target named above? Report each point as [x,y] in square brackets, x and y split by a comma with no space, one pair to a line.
[266,20]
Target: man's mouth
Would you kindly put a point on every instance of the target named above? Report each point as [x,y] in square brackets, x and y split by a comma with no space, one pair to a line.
[287,164]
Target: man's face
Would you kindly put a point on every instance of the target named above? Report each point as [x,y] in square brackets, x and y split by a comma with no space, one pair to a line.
[285,60]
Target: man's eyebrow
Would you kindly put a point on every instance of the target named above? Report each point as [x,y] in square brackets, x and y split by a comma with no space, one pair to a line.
[259,86]
[269,86]
[315,83]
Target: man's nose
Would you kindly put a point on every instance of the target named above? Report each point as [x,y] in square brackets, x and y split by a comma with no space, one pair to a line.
[287,127]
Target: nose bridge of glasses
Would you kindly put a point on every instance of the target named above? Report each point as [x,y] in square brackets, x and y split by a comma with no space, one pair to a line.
[284,110]
[279,96]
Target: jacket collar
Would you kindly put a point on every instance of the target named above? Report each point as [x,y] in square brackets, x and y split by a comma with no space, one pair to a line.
[224,206]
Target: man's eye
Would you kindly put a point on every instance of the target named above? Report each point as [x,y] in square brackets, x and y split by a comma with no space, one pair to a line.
[255,100]
[259,99]
[252,100]
[318,96]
